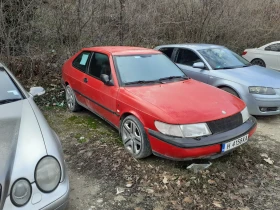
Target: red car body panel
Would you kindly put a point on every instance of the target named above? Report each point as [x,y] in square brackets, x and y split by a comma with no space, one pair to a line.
[181,102]
[185,100]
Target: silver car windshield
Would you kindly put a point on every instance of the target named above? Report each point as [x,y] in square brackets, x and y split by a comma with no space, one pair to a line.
[223,58]
[144,69]
[8,90]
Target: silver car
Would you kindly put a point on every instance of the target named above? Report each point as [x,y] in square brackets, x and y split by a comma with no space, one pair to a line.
[32,167]
[218,66]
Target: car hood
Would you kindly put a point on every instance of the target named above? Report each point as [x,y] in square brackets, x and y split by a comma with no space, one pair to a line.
[21,143]
[251,76]
[189,101]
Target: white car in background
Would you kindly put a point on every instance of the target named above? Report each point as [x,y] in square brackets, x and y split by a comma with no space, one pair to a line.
[266,56]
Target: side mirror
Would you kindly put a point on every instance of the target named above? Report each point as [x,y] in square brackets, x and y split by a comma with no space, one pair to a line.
[37,91]
[199,65]
[105,79]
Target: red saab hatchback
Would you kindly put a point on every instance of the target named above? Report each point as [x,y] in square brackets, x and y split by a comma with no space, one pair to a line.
[154,105]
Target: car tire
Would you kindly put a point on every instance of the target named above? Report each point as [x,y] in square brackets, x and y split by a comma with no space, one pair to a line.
[71,100]
[258,62]
[134,138]
[231,91]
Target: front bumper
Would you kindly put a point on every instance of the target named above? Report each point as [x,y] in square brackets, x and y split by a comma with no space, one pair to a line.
[56,200]
[255,101]
[208,147]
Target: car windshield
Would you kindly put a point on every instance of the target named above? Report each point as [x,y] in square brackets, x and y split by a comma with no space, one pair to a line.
[223,58]
[8,90]
[143,69]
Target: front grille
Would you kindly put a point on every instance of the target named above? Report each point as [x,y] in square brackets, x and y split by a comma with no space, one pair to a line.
[225,124]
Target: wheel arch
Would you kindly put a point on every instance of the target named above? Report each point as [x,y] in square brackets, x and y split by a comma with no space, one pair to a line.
[128,113]
[229,86]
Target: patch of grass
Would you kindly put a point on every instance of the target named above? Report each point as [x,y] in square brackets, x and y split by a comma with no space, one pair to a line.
[87,121]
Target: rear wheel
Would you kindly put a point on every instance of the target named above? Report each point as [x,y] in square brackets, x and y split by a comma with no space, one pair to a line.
[134,138]
[258,62]
[71,100]
[231,91]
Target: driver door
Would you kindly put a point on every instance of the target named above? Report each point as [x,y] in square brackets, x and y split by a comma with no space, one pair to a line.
[101,98]
[185,59]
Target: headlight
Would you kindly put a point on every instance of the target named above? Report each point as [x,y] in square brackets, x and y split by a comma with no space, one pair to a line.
[21,192]
[262,90]
[191,130]
[245,114]
[47,174]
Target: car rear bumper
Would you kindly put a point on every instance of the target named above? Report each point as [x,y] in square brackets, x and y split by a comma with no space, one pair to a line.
[209,147]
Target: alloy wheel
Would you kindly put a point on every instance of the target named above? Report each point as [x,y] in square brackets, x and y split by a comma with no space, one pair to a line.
[132,137]
[70,98]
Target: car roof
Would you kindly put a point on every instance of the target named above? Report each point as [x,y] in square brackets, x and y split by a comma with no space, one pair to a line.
[122,50]
[195,46]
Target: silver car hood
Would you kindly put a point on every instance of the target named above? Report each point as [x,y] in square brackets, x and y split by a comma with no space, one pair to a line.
[251,76]
[21,144]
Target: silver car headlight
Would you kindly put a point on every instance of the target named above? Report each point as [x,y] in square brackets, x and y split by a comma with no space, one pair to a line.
[245,114]
[190,130]
[262,90]
[47,174]
[21,192]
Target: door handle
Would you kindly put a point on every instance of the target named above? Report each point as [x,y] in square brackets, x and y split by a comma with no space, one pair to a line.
[85,80]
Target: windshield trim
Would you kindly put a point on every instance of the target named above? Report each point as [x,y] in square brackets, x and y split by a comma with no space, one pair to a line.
[122,84]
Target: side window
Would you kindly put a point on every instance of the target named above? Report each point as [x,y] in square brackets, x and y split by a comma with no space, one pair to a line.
[273,47]
[187,57]
[167,51]
[99,65]
[81,61]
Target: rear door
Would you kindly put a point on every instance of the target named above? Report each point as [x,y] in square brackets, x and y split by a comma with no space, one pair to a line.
[272,56]
[77,75]
[101,98]
[185,58]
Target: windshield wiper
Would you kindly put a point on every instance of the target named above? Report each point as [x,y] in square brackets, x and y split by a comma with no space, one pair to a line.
[141,82]
[173,77]
[230,67]
[5,101]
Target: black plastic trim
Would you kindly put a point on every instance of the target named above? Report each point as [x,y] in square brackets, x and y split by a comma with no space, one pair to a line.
[207,140]
[109,110]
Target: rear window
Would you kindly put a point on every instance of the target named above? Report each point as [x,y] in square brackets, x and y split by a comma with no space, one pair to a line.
[81,61]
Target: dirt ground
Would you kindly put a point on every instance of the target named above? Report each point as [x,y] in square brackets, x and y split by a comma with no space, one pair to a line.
[104,176]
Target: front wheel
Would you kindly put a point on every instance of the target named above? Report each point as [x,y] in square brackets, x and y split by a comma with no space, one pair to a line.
[134,138]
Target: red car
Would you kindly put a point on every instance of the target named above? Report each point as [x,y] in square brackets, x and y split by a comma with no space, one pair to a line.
[154,105]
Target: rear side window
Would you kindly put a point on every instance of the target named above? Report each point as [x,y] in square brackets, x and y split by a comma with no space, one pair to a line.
[81,61]
[273,47]
[167,51]
[99,65]
[187,57]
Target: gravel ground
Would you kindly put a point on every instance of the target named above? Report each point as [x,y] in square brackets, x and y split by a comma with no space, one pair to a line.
[104,176]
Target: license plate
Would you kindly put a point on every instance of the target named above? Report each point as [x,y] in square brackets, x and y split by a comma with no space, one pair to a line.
[235,143]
